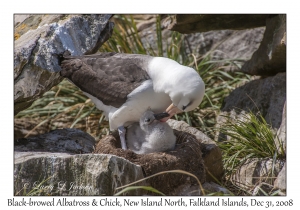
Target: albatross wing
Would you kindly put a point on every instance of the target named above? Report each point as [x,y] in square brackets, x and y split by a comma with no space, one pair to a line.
[110,77]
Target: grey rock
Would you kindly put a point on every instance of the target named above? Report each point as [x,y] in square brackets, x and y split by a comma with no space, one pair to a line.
[280,182]
[211,153]
[192,23]
[19,18]
[54,174]
[281,133]
[266,96]
[270,58]
[215,189]
[61,140]
[207,188]
[221,44]
[40,39]
[256,171]
[262,189]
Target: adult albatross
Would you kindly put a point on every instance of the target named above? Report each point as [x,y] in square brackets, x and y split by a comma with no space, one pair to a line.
[124,86]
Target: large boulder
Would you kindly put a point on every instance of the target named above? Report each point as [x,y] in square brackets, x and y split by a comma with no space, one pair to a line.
[201,23]
[257,171]
[265,96]
[41,39]
[270,58]
[45,173]
[61,140]
[63,157]
[238,45]
[280,182]
[281,133]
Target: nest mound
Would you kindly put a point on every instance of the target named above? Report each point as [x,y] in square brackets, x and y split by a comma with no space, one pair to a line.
[186,156]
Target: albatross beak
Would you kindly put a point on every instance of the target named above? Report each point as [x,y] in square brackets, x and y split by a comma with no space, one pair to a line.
[171,110]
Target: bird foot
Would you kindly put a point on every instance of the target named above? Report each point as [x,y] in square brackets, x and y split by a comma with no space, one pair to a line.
[122,133]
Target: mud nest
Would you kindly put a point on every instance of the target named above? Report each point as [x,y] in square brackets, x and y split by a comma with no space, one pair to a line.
[186,156]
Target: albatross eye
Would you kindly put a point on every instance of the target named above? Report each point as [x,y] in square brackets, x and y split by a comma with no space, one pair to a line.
[184,107]
[147,120]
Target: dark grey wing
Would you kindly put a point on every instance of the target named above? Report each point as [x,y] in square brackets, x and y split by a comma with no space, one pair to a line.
[110,77]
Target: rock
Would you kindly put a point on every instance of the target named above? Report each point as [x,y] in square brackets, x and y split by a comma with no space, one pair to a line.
[230,44]
[61,140]
[215,189]
[266,96]
[208,188]
[201,23]
[262,189]
[222,44]
[270,58]
[44,173]
[255,171]
[40,39]
[281,133]
[186,156]
[211,153]
[19,19]
[280,182]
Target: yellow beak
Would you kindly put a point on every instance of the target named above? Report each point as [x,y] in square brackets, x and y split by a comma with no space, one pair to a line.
[171,110]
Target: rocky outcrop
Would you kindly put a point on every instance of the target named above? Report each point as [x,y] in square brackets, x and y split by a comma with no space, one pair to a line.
[267,58]
[280,182]
[281,133]
[266,96]
[202,23]
[238,45]
[65,154]
[45,173]
[41,39]
[270,58]
[257,172]
[61,140]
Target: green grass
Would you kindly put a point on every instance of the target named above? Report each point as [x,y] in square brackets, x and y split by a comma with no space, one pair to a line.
[246,138]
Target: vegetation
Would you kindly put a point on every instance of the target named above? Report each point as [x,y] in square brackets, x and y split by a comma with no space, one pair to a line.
[65,105]
[246,138]
[66,102]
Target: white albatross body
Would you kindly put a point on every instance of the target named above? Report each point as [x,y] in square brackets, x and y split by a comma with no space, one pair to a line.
[167,86]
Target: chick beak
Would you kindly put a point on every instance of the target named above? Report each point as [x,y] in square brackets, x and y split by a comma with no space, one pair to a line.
[160,116]
[171,110]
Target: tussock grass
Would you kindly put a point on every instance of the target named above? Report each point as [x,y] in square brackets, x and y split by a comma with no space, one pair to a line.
[248,137]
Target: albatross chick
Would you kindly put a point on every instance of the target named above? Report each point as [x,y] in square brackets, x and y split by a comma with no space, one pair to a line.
[150,135]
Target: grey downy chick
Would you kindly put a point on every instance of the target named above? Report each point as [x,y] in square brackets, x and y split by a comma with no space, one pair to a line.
[150,135]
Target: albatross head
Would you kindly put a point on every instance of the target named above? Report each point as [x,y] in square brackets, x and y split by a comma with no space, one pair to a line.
[186,95]
[183,85]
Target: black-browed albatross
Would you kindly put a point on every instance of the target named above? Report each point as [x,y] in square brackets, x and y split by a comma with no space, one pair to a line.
[124,86]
